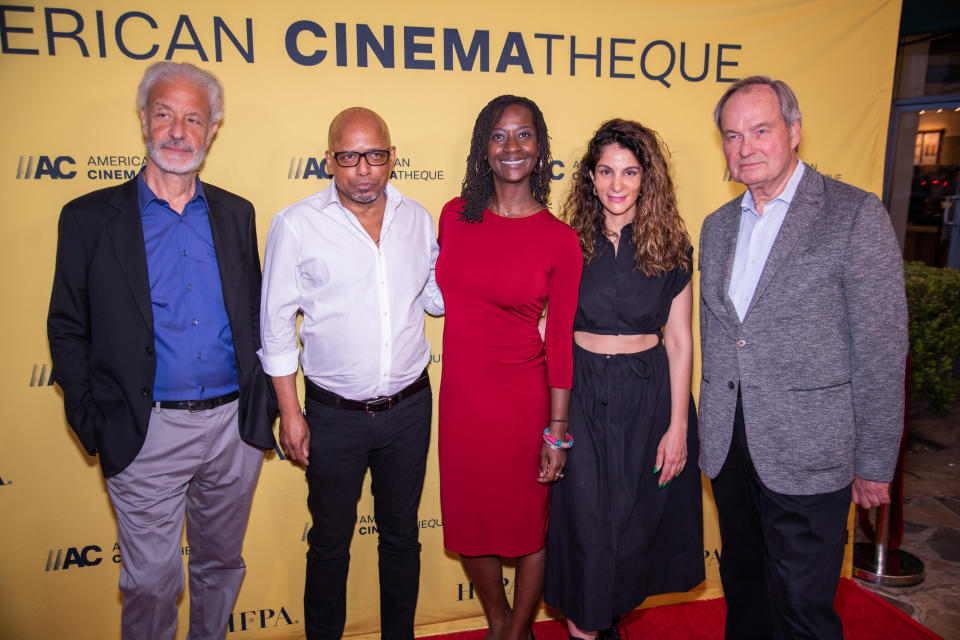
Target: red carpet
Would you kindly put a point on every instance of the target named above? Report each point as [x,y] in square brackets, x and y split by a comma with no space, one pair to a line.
[864,615]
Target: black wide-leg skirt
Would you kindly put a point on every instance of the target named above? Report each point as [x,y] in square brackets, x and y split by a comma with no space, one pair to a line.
[614,536]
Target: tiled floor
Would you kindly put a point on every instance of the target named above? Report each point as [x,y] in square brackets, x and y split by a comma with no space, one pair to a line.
[932,523]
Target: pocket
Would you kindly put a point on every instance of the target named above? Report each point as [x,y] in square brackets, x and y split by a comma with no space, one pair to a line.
[813,429]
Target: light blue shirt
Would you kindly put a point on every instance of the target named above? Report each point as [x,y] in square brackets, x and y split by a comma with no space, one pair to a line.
[756,238]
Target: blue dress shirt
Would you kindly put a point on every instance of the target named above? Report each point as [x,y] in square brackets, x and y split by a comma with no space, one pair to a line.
[194,344]
[756,238]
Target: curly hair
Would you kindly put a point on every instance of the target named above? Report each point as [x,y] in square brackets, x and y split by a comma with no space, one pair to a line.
[659,233]
[477,186]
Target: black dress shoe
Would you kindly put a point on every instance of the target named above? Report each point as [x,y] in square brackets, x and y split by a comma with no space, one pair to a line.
[613,633]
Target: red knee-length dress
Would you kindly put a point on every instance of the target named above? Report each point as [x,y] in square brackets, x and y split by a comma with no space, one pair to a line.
[496,277]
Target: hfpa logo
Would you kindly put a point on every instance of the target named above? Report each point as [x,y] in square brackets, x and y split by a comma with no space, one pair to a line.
[55,169]
[258,619]
[465,591]
[42,376]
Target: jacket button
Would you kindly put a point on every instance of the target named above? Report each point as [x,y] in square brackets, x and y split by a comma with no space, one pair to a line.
[741,342]
[150,351]
[145,392]
[730,385]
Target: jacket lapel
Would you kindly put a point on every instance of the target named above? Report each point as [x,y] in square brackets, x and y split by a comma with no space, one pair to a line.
[226,241]
[730,231]
[804,209]
[126,234]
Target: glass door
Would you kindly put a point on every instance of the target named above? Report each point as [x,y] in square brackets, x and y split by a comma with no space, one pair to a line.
[922,185]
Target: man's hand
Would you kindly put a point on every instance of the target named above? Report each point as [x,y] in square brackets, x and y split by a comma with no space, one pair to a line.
[294,433]
[295,438]
[868,493]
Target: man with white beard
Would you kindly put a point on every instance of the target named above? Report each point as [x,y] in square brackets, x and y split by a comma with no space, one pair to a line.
[153,329]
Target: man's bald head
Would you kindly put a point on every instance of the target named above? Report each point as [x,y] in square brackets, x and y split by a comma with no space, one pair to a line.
[355,133]
[353,119]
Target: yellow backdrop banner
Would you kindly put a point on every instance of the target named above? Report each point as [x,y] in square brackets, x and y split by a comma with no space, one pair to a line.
[69,125]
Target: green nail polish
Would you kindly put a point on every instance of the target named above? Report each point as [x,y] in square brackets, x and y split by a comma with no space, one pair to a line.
[655,469]
[661,486]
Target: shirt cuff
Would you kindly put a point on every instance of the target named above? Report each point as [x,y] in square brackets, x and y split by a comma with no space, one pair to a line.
[280,364]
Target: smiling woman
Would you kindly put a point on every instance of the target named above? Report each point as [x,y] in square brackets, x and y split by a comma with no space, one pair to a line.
[627,524]
[504,391]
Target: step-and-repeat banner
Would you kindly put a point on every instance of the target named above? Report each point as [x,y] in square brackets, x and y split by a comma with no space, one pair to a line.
[69,71]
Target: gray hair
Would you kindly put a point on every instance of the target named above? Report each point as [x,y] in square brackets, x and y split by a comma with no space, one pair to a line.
[789,107]
[167,70]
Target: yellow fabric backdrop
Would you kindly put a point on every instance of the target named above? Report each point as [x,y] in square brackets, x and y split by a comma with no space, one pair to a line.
[69,125]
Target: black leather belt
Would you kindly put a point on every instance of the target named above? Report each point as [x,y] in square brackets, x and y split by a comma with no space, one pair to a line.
[198,405]
[382,403]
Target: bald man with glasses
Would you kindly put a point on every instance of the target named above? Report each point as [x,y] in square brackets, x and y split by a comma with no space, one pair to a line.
[357,260]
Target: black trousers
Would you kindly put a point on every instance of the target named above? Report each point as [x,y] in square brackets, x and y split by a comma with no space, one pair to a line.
[343,444]
[782,554]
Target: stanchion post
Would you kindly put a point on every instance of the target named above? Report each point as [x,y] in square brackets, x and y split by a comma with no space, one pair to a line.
[874,562]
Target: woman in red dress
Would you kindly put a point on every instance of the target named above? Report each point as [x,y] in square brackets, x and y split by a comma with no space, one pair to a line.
[503,257]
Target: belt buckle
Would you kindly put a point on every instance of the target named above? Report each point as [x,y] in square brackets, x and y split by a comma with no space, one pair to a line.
[378,404]
[194,406]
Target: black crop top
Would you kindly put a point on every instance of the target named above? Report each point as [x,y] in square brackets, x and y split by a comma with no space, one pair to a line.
[617,298]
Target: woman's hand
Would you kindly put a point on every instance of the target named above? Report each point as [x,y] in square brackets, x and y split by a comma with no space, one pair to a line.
[671,454]
[552,462]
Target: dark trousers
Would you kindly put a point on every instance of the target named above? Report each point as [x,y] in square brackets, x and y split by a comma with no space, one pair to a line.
[343,443]
[782,554]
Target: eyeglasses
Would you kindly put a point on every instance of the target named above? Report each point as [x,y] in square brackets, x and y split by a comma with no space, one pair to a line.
[374,157]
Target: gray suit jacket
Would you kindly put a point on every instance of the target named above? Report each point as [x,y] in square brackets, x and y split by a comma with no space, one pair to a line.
[821,351]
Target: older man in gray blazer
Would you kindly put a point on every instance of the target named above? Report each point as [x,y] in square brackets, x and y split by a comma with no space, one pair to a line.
[803,326]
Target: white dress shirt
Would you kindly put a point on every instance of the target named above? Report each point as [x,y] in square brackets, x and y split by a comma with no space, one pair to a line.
[756,238]
[362,304]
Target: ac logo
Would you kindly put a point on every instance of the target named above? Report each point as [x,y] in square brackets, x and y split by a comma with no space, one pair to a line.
[73,557]
[258,619]
[306,168]
[42,376]
[55,169]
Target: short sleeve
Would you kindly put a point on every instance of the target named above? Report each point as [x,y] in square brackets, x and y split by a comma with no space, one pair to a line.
[448,214]
[678,278]
[562,291]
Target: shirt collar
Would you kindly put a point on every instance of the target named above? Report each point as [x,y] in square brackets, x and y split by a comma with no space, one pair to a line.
[145,194]
[786,196]
[330,196]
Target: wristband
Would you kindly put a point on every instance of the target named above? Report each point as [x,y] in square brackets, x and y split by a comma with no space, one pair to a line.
[567,443]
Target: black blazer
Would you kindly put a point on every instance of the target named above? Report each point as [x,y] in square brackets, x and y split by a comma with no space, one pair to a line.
[100,323]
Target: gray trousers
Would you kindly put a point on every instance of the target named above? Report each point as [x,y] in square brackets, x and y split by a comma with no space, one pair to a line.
[193,464]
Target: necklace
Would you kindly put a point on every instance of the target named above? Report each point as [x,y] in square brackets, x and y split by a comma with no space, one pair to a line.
[515,214]
[613,235]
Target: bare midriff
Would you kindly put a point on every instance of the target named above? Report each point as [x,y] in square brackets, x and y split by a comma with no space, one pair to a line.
[614,344]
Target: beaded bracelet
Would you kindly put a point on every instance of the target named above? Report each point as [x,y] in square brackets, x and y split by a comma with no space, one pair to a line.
[556,444]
